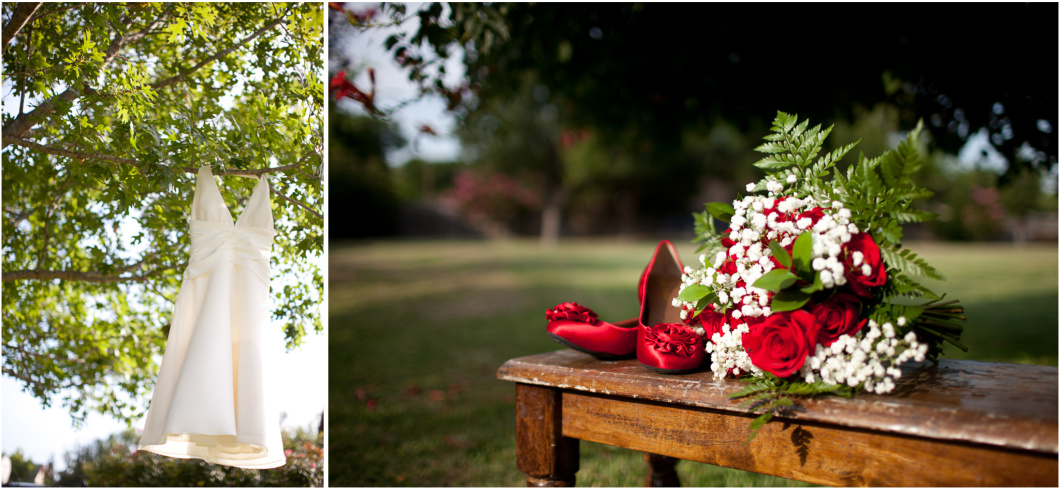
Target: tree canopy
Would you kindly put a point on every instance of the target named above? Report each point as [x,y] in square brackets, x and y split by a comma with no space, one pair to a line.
[651,70]
[628,112]
[110,108]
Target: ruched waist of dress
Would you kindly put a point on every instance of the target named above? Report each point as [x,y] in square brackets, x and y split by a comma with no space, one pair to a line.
[214,244]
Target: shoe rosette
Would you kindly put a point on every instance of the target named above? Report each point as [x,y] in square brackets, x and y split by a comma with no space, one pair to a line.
[578,327]
[670,348]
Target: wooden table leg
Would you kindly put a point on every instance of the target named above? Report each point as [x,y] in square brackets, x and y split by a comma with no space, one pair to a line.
[661,471]
[548,458]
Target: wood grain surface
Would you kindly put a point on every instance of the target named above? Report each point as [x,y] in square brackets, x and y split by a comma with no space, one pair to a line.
[542,452]
[804,451]
[1001,405]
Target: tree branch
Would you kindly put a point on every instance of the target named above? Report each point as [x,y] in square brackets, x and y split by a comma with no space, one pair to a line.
[19,19]
[176,78]
[21,124]
[295,202]
[63,152]
[28,380]
[255,173]
[16,215]
[42,15]
[121,40]
[99,156]
[79,276]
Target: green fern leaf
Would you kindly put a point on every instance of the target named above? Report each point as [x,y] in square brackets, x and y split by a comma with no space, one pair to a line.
[784,122]
[907,261]
[771,148]
[772,164]
[905,285]
[913,215]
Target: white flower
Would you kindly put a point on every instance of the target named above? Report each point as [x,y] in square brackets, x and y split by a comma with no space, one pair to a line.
[826,278]
[758,221]
[834,249]
[791,179]
[857,258]
[751,187]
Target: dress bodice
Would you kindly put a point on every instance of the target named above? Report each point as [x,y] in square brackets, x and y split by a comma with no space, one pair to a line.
[215,239]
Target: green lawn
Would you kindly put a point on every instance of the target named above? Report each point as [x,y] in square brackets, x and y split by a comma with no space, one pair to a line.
[417,331]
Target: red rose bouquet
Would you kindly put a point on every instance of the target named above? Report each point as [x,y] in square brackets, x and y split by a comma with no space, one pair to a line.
[809,290]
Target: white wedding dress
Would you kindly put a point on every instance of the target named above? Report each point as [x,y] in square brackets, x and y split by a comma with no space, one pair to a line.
[212,399]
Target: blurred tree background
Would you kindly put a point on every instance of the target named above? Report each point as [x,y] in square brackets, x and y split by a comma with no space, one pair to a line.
[623,118]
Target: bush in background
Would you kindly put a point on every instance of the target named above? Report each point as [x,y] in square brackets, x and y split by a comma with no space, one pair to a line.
[115,462]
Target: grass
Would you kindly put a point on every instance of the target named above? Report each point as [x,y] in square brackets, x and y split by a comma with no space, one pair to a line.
[417,331]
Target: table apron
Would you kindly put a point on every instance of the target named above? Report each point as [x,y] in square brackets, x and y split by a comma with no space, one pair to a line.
[811,452]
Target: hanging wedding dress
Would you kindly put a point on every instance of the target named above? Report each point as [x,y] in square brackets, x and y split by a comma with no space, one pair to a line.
[212,399]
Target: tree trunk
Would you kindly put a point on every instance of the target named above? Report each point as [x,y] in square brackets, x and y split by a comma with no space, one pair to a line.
[1019,230]
[552,217]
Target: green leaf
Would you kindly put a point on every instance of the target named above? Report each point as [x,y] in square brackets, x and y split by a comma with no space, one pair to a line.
[802,253]
[780,253]
[773,164]
[776,280]
[757,425]
[694,292]
[706,301]
[789,300]
[720,210]
[746,391]
[814,286]
[907,261]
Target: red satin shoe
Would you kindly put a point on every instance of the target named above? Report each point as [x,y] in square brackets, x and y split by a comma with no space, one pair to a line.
[664,344]
[579,328]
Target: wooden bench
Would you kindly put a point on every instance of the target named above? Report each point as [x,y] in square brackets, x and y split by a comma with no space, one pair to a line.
[962,423]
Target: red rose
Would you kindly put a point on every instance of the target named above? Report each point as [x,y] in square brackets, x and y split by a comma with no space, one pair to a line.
[749,321]
[572,311]
[728,267]
[837,316]
[780,344]
[814,214]
[859,282]
[725,241]
[710,320]
[673,338]
[781,217]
